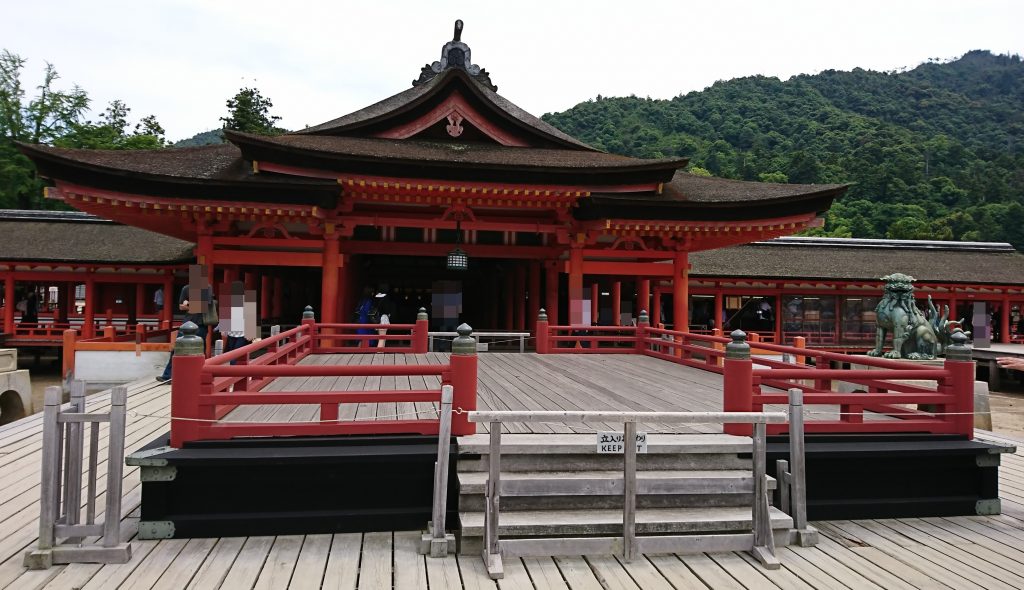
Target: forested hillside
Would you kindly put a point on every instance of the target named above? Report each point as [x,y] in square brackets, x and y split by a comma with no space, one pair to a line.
[936,152]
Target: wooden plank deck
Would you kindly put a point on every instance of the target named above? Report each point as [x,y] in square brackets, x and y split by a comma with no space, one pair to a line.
[960,552]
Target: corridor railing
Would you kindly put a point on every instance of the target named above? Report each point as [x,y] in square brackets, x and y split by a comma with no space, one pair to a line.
[883,396]
[204,390]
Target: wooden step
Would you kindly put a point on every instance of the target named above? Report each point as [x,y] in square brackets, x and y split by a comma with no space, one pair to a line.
[595,462]
[577,444]
[610,483]
[544,523]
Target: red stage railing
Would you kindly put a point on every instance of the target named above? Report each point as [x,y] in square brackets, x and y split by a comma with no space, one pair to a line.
[206,390]
[749,384]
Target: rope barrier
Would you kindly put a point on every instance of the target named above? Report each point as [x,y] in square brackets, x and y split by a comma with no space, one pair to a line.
[435,413]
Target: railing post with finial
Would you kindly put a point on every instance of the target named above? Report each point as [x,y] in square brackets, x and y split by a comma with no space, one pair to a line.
[419,334]
[309,319]
[463,380]
[960,365]
[543,332]
[737,381]
[642,323]
[187,386]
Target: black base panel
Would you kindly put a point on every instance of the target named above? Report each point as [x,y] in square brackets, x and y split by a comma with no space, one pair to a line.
[294,485]
[892,476]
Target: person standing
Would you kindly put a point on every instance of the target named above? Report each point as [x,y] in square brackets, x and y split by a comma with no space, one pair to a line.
[196,317]
[386,309]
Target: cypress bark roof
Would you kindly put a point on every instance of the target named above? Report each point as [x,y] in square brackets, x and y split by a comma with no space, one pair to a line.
[74,237]
[863,260]
[411,98]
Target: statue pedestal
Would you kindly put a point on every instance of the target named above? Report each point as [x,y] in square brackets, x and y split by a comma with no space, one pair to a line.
[982,411]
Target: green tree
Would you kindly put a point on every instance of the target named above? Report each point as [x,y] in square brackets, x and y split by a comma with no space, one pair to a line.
[39,119]
[110,132]
[249,112]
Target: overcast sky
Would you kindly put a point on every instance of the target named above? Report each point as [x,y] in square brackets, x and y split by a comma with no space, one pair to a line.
[318,60]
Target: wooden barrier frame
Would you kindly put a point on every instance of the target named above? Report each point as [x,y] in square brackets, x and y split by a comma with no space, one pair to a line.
[61,482]
[760,542]
[205,390]
[951,401]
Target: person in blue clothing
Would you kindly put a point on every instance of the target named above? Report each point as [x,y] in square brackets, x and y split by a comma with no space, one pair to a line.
[195,317]
[366,313]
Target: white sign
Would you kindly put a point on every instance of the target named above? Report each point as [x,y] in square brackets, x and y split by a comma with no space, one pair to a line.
[613,442]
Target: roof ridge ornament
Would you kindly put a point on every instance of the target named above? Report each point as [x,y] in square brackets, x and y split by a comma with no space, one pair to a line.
[455,54]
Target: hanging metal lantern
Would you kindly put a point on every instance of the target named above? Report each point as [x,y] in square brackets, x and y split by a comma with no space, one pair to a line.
[457,258]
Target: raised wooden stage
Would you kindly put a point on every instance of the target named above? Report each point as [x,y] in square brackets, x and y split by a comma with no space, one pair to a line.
[954,552]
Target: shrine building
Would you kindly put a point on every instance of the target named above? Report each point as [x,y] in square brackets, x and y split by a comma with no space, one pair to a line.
[452,198]
[392,194]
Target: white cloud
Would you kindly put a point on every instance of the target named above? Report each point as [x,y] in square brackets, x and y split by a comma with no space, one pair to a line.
[319,60]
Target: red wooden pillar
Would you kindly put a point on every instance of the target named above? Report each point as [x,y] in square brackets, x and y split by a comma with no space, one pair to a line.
[617,303]
[595,294]
[737,385]
[265,296]
[344,307]
[89,318]
[656,308]
[535,295]
[1004,321]
[9,303]
[510,285]
[643,300]
[170,300]
[520,297]
[329,281]
[575,286]
[249,280]
[720,309]
[140,301]
[551,291]
[680,292]
[275,305]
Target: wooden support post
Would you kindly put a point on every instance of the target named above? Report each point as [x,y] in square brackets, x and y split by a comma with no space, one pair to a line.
[717,360]
[551,290]
[9,303]
[329,280]
[806,534]
[629,552]
[737,381]
[464,379]
[656,309]
[187,385]
[960,364]
[115,450]
[439,543]
[1004,321]
[89,313]
[170,301]
[643,298]
[680,292]
[720,310]
[542,332]
[800,342]
[764,540]
[616,303]
[419,333]
[643,322]
[575,286]
[68,354]
[492,542]
[595,298]
[265,296]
